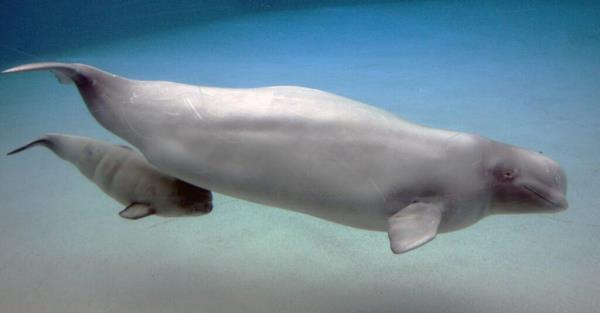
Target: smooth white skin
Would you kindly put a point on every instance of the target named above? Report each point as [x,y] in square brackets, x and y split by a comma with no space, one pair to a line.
[121,173]
[295,148]
[305,150]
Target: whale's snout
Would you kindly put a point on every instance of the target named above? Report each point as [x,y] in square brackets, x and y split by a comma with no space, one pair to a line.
[206,208]
[554,201]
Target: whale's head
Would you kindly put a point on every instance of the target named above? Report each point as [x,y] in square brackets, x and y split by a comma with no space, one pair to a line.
[191,200]
[524,181]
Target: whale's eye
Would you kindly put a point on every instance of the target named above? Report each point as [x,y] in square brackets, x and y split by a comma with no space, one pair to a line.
[508,174]
[505,174]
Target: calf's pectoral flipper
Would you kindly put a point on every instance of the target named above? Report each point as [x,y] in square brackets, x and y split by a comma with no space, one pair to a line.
[136,211]
[414,226]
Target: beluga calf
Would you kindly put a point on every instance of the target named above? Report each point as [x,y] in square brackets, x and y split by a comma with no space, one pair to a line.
[320,154]
[124,174]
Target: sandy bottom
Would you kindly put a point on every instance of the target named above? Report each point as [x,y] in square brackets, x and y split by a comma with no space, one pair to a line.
[523,75]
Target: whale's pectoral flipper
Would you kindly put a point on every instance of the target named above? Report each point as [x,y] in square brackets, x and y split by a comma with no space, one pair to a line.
[136,211]
[413,226]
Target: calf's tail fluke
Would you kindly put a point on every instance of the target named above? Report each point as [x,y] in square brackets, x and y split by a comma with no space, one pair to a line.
[65,72]
[42,141]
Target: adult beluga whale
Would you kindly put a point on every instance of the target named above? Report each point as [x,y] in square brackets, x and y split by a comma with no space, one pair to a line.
[321,154]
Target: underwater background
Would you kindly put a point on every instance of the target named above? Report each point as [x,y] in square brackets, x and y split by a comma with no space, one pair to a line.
[522,73]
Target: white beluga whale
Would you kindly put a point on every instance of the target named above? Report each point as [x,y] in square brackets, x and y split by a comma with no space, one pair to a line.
[124,174]
[320,154]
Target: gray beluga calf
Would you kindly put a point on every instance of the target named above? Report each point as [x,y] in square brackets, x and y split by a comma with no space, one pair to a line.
[321,154]
[124,174]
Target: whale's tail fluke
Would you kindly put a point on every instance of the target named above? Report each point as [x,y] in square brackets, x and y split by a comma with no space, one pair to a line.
[65,72]
[102,92]
[42,141]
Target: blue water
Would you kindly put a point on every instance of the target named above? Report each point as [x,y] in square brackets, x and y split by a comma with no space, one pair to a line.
[522,74]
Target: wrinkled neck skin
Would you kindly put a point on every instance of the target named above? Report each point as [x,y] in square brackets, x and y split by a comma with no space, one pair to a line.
[467,195]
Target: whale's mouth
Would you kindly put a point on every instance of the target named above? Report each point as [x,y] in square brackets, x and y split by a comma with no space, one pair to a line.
[557,203]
